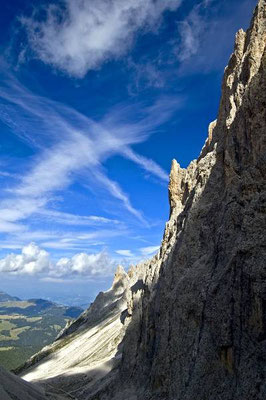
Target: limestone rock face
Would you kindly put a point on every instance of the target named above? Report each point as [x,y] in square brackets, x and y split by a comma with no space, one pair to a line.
[191,322]
[180,184]
[14,388]
[87,350]
[202,332]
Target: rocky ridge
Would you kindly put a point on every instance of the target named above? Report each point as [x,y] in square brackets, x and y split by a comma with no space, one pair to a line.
[192,319]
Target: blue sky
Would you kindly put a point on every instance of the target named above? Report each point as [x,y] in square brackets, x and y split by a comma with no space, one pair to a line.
[96,98]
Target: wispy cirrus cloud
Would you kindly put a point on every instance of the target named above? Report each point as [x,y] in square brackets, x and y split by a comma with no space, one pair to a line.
[74,219]
[149,250]
[200,42]
[146,163]
[77,35]
[116,191]
[10,227]
[68,144]
[204,37]
[190,31]
[7,174]
[193,29]
[125,253]
[65,241]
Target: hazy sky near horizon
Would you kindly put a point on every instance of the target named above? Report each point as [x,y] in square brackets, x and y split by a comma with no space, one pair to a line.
[96,99]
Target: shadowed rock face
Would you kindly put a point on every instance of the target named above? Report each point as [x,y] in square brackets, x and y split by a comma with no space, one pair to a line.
[202,331]
[14,388]
[193,319]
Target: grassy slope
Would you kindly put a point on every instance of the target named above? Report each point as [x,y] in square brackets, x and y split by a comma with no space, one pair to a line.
[28,326]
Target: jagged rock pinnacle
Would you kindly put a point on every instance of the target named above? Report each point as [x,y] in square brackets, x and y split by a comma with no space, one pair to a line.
[174,187]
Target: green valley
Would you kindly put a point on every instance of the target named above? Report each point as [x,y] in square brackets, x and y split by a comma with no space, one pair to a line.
[26,326]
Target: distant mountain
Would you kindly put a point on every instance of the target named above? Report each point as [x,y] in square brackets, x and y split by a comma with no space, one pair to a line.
[28,325]
[6,297]
[69,299]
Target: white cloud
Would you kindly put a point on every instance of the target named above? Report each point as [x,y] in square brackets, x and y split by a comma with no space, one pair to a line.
[147,164]
[31,261]
[81,35]
[54,280]
[64,240]
[69,143]
[53,172]
[7,174]
[73,219]
[146,251]
[196,46]
[12,246]
[146,74]
[35,261]
[117,192]
[85,264]
[10,227]
[190,31]
[125,253]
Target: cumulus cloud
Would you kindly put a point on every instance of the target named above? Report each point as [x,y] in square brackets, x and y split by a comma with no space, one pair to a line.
[85,264]
[31,261]
[78,35]
[35,261]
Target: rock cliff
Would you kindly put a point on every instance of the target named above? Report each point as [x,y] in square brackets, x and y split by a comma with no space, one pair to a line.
[87,349]
[203,329]
[14,388]
[191,322]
